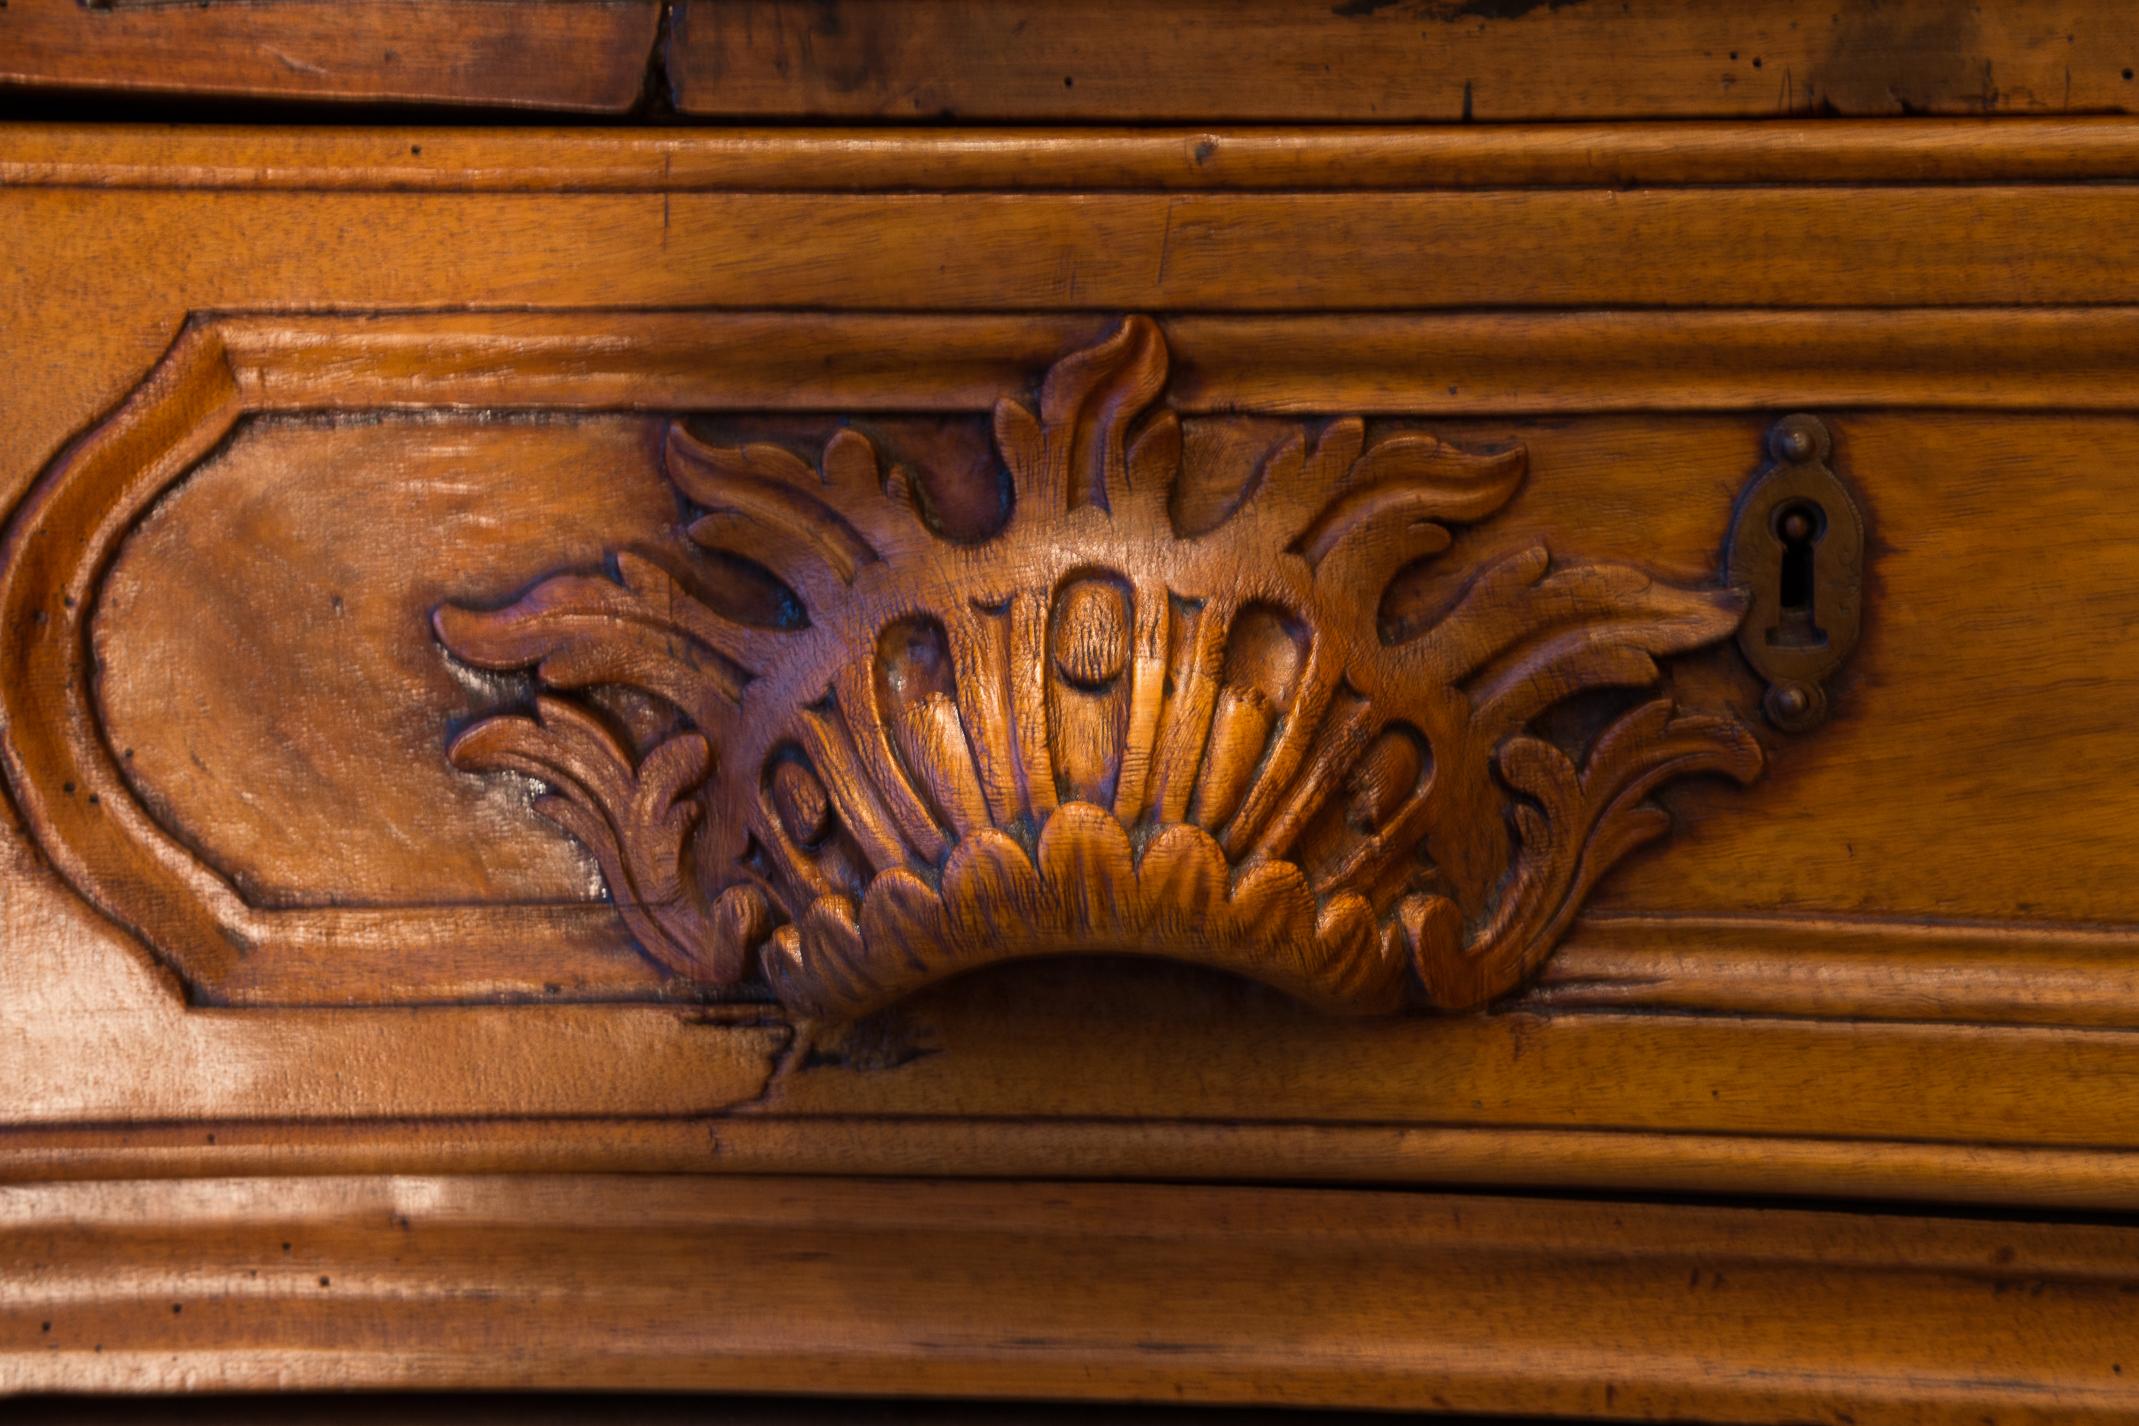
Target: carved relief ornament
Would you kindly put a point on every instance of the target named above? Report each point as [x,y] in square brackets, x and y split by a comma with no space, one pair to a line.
[1095,731]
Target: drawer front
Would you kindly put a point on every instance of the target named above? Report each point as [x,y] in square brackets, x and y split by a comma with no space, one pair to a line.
[1453,659]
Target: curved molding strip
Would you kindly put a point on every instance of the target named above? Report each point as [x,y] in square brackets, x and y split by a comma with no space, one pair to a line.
[1220,157]
[1423,1301]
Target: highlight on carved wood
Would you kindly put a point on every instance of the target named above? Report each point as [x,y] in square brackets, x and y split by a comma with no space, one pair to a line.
[1095,731]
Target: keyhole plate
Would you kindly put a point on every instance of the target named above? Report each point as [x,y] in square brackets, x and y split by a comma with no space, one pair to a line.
[1797,549]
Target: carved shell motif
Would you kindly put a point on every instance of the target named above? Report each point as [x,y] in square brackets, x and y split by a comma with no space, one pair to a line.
[1091,732]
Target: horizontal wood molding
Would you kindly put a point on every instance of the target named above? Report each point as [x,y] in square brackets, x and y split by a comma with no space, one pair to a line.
[1210,157]
[1509,362]
[1096,60]
[1903,245]
[1486,1158]
[589,55]
[1062,1291]
[1864,968]
[1396,60]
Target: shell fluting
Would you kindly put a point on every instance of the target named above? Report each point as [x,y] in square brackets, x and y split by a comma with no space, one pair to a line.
[1093,733]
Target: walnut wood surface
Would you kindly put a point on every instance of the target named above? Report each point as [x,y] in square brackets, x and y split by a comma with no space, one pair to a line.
[587,55]
[580,1408]
[1067,1292]
[1900,964]
[1397,60]
[1200,60]
[837,159]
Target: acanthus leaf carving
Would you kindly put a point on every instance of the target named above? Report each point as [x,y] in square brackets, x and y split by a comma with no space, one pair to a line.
[1091,732]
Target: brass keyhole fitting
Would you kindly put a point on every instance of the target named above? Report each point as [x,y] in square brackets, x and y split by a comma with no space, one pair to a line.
[1797,549]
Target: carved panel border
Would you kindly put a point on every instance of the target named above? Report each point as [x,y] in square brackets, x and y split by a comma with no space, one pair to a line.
[61,540]
[1095,729]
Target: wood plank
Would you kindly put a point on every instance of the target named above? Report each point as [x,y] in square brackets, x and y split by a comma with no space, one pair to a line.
[1597,1161]
[1306,252]
[508,1408]
[589,55]
[1056,1291]
[1396,60]
[1512,363]
[1209,157]
[335,783]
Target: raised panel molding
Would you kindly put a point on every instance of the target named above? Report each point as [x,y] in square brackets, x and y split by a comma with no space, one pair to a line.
[233,947]
[1232,701]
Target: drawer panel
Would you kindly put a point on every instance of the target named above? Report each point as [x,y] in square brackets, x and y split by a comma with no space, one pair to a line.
[501,675]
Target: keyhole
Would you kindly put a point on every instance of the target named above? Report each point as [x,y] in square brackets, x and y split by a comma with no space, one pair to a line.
[1799,525]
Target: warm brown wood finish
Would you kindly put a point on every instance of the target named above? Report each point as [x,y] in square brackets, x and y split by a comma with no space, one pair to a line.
[589,1408]
[830,159]
[1399,60]
[586,55]
[624,654]
[327,482]
[1197,60]
[1061,1291]
[948,756]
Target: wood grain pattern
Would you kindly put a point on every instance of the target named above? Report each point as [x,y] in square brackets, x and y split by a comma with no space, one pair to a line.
[106,277]
[1396,60]
[569,1408]
[1411,60]
[1133,251]
[891,158]
[590,55]
[1066,1292]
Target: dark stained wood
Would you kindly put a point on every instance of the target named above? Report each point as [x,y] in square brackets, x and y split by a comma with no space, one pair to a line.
[567,1408]
[1398,60]
[586,55]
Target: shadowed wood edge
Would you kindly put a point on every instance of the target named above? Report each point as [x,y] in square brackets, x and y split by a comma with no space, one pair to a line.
[1432,61]
[1064,1291]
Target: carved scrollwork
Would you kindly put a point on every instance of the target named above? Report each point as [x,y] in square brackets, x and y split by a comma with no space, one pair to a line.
[1095,732]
